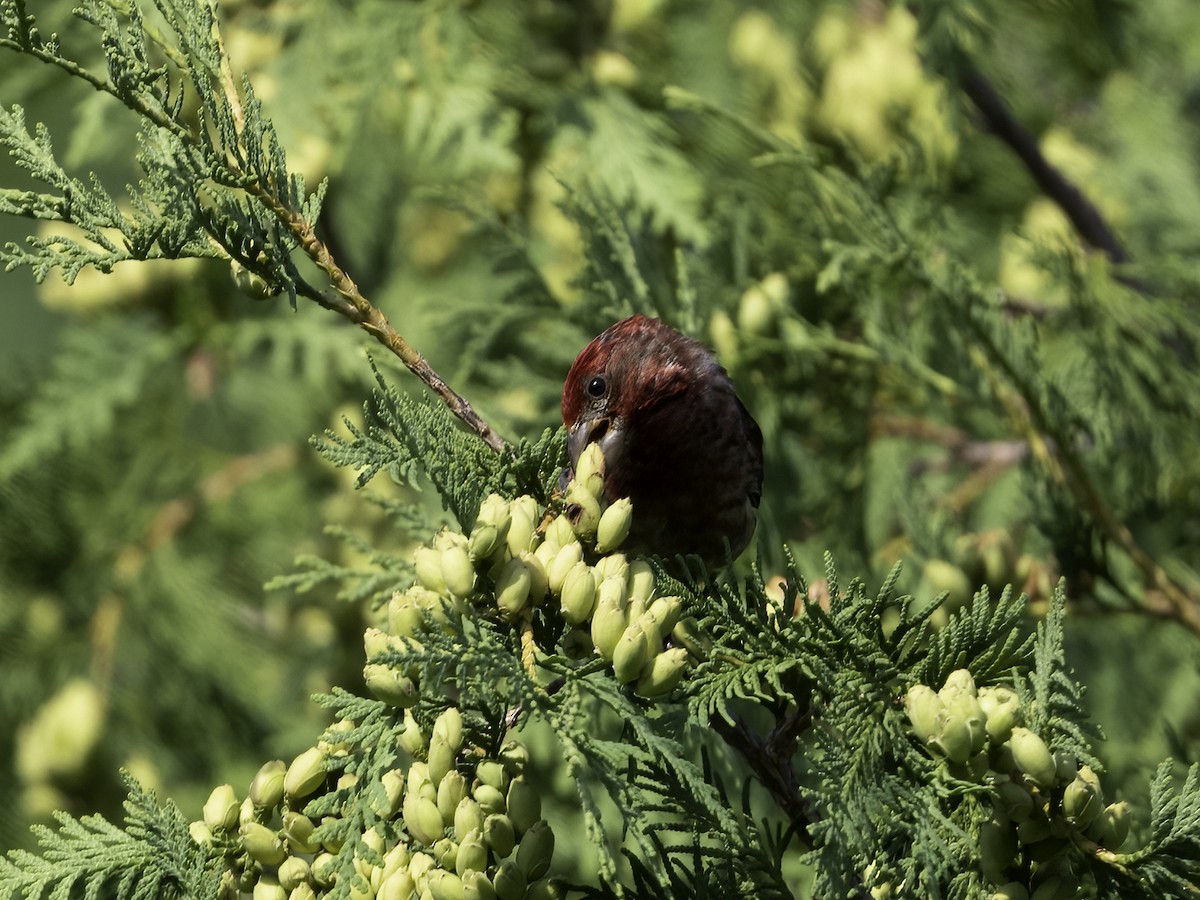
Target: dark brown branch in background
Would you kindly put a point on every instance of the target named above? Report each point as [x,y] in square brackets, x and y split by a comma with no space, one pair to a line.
[1088,221]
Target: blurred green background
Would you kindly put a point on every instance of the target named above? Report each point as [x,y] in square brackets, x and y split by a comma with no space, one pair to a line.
[155,470]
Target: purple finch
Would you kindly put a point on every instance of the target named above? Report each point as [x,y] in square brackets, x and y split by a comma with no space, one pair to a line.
[676,439]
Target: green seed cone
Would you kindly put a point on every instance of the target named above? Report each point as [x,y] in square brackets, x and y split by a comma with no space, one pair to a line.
[303,891]
[961,680]
[499,834]
[468,817]
[577,596]
[305,774]
[666,611]
[686,634]
[266,790]
[221,808]
[536,850]
[524,804]
[493,772]
[490,799]
[390,685]
[472,852]
[613,565]
[662,673]
[954,741]
[997,849]
[293,871]
[962,704]
[1002,707]
[1083,799]
[1111,827]
[608,620]
[411,738]
[261,843]
[631,653]
[614,525]
[539,584]
[925,711]
[440,758]
[298,830]
[427,562]
[267,888]
[563,562]
[522,530]
[422,819]
[512,588]
[458,572]
[587,517]
[397,886]
[451,791]
[445,852]
[509,881]
[324,869]
[589,471]
[445,885]
[640,580]
[513,756]
[1014,800]
[1013,890]
[477,886]
[1033,757]
[200,833]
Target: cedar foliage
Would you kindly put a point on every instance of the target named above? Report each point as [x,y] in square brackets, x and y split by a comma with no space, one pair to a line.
[945,369]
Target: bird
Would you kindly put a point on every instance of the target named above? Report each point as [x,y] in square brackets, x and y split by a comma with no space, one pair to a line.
[675,438]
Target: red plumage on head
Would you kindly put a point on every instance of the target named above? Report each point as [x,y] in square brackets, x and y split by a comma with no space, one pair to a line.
[676,439]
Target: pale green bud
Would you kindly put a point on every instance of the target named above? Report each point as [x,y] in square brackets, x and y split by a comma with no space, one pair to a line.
[390,685]
[452,790]
[445,852]
[631,653]
[420,781]
[293,871]
[954,741]
[662,673]
[422,819]
[608,622]
[396,859]
[498,833]
[477,886]
[587,514]
[324,869]
[420,866]
[248,812]
[524,804]
[589,471]
[1083,799]
[512,587]
[666,611]
[1111,827]
[640,578]
[577,594]
[440,758]
[567,557]
[468,817]
[305,774]
[427,562]
[546,889]
[261,843]
[1002,707]
[1033,757]
[614,525]
[560,533]
[221,808]
[536,850]
[491,527]
[302,891]
[962,704]
[613,565]
[411,738]
[493,772]
[545,554]
[405,615]
[490,799]
[266,790]
[298,830]
[538,582]
[514,756]
[445,885]
[458,573]
[472,852]
[494,511]
[1014,800]
[522,533]
[961,680]
[267,888]
[331,839]
[484,541]
[393,793]
[397,886]
[997,849]
[1033,830]
[926,711]
[200,833]
[330,743]
[509,881]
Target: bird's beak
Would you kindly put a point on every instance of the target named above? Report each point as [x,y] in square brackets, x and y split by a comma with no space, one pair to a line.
[604,431]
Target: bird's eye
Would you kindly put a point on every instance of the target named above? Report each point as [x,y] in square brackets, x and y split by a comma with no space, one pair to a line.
[597,386]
